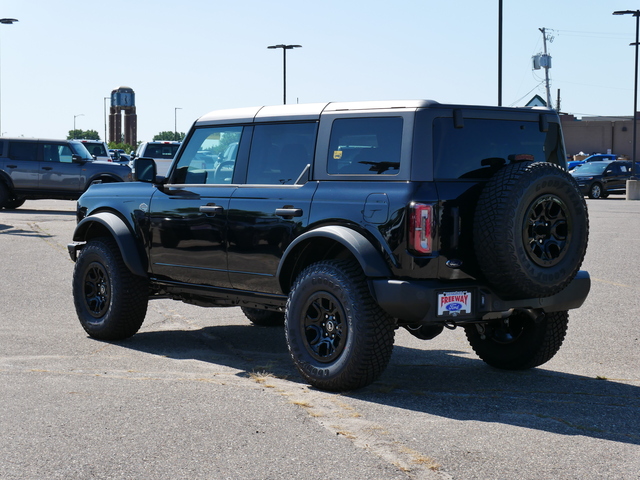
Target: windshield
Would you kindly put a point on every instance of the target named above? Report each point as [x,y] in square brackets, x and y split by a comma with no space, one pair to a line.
[96,149]
[591,168]
[79,149]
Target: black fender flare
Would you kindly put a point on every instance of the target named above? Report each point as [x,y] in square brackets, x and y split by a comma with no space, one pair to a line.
[370,259]
[121,234]
[6,179]
[113,179]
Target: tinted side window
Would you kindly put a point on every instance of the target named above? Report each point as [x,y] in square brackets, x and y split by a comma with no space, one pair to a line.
[365,146]
[23,151]
[280,152]
[209,156]
[482,146]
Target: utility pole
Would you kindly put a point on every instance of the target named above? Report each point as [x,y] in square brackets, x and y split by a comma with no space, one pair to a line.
[545,62]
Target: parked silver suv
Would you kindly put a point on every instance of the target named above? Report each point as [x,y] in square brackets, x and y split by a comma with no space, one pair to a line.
[163,152]
[63,169]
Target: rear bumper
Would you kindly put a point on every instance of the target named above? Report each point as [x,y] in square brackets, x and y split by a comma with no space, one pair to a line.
[417,301]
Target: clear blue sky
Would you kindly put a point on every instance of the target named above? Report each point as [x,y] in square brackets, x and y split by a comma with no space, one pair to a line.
[63,57]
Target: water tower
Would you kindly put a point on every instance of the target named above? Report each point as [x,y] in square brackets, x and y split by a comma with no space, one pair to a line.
[123,99]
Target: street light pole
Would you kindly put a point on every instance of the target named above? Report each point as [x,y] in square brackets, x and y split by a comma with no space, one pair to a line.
[500,53]
[5,21]
[635,13]
[175,122]
[284,66]
[74,124]
[633,185]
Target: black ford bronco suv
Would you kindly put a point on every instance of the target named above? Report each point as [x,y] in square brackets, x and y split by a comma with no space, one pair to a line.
[346,221]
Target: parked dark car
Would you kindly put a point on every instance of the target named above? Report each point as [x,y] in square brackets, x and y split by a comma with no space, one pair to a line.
[599,179]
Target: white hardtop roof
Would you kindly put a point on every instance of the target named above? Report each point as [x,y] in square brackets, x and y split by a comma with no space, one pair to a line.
[304,111]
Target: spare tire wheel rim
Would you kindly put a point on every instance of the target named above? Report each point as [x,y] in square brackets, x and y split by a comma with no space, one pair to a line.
[546,231]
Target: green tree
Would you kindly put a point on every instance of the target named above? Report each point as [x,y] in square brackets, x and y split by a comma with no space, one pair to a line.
[170,136]
[84,134]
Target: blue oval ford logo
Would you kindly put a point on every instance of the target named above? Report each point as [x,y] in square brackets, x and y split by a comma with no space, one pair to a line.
[454,307]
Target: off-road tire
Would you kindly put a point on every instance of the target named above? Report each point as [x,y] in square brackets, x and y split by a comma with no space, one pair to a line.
[14,203]
[531,229]
[5,195]
[263,318]
[111,302]
[519,342]
[337,335]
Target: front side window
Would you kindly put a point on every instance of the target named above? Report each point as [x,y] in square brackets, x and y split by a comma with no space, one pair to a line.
[56,153]
[365,146]
[280,152]
[209,156]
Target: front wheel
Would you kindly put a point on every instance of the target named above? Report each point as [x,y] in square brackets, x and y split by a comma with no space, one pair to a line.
[520,341]
[111,302]
[338,336]
[596,191]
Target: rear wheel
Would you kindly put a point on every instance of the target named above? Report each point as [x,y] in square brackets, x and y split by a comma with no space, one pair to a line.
[520,341]
[263,318]
[338,336]
[5,195]
[111,302]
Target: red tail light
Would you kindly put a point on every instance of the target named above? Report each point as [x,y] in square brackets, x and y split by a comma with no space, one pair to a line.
[420,228]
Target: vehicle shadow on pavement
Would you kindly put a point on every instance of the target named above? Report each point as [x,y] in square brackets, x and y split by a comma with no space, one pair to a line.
[25,211]
[11,230]
[435,382]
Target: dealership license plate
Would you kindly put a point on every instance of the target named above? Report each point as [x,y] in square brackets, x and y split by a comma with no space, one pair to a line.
[454,303]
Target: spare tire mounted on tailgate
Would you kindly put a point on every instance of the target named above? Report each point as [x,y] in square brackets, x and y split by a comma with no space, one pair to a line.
[530,230]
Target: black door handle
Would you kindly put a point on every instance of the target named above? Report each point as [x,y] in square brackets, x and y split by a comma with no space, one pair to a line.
[289,212]
[47,168]
[211,209]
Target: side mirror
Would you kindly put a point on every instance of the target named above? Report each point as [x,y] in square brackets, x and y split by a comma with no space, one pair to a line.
[144,170]
[77,158]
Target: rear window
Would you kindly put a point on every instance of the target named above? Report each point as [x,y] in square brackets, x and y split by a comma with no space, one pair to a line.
[167,151]
[365,146]
[482,146]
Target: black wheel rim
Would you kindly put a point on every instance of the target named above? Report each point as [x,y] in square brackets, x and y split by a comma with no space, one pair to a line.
[97,290]
[325,327]
[547,231]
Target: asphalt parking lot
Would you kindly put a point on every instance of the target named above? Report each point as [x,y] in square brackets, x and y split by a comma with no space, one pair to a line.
[202,394]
